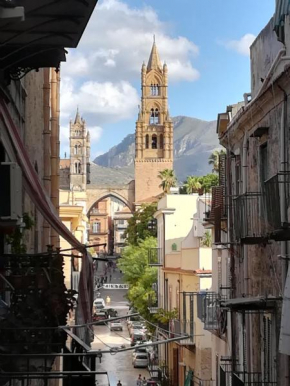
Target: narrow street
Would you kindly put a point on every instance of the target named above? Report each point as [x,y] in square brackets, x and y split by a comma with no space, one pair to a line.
[119,365]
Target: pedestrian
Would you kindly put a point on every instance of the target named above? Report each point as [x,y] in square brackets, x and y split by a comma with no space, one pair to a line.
[144,382]
[110,277]
[119,383]
[139,380]
[108,300]
[106,278]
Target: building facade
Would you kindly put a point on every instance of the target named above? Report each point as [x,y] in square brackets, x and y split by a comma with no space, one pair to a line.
[254,235]
[154,129]
[184,275]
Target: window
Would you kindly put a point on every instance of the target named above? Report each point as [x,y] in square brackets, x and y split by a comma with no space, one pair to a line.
[96,226]
[79,149]
[154,141]
[264,163]
[154,89]
[154,117]
[77,168]
[161,141]
[147,141]
[75,149]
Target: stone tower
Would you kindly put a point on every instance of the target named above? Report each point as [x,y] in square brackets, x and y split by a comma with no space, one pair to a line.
[79,154]
[154,129]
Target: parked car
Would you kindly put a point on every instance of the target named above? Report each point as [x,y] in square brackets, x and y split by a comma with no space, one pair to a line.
[137,336]
[140,360]
[116,326]
[99,317]
[99,303]
[136,326]
[140,350]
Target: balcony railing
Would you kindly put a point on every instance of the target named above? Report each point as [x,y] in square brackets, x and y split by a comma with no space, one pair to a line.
[183,327]
[239,377]
[210,312]
[98,212]
[100,231]
[155,258]
[250,224]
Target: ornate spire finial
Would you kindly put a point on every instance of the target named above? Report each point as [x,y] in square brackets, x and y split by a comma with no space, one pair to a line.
[154,61]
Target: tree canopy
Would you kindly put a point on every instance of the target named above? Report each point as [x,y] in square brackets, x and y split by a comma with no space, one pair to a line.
[138,229]
[213,160]
[195,184]
[139,275]
[168,178]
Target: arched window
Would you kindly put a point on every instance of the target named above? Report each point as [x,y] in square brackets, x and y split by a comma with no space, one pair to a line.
[79,149]
[154,141]
[152,89]
[157,89]
[154,117]
[147,141]
[75,149]
[156,120]
[78,168]
[161,141]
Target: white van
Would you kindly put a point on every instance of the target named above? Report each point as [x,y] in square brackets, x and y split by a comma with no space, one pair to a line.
[99,303]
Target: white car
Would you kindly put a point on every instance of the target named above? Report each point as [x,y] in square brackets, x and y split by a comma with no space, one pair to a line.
[99,303]
[140,360]
[116,326]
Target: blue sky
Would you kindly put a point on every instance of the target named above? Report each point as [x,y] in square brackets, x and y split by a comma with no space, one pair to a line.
[205,44]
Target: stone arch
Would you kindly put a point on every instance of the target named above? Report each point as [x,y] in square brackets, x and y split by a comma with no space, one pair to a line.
[106,195]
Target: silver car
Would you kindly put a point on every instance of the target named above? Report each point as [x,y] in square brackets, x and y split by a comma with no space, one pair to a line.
[140,360]
[116,326]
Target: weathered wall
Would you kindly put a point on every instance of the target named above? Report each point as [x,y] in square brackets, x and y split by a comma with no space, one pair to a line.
[146,177]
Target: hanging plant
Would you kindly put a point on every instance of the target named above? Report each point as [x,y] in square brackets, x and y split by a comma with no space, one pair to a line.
[16,238]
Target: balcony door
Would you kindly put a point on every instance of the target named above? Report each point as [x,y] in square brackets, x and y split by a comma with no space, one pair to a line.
[96,227]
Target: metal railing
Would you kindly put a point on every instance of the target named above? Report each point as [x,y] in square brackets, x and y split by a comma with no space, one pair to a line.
[98,231]
[249,217]
[210,312]
[98,212]
[238,377]
[182,327]
[155,257]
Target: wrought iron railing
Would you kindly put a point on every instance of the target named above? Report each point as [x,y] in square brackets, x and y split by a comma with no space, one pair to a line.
[249,217]
[183,327]
[210,312]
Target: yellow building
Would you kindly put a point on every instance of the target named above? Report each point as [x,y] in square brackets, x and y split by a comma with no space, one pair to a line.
[184,272]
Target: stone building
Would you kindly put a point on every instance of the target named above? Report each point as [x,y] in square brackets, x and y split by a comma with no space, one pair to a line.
[154,129]
[256,196]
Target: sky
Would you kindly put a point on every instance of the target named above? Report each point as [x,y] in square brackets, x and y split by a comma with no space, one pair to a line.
[205,44]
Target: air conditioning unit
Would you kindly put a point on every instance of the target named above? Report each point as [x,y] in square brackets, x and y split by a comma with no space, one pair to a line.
[11,191]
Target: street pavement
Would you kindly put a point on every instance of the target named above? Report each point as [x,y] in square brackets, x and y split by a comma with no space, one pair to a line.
[120,364]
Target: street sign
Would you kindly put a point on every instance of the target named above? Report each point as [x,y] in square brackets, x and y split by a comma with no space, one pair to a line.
[116,286]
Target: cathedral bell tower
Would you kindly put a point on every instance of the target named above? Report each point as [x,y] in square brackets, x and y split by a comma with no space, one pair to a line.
[79,154]
[154,130]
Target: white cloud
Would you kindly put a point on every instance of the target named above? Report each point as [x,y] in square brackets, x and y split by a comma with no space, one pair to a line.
[120,37]
[241,46]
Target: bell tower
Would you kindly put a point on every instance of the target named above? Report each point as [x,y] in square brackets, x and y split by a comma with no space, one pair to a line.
[154,129]
[79,154]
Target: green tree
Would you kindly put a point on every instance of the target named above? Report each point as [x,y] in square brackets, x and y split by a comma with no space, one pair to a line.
[192,184]
[168,179]
[139,275]
[206,240]
[137,228]
[213,160]
[208,181]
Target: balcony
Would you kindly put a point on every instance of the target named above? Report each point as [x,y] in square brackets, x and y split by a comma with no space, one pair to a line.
[210,312]
[274,188]
[250,225]
[155,258]
[183,327]
[98,212]
[239,377]
[101,231]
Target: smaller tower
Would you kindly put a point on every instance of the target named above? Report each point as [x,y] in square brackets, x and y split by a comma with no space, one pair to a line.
[79,154]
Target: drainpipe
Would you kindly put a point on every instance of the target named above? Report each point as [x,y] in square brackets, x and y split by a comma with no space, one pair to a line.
[46,150]
[247,354]
[284,219]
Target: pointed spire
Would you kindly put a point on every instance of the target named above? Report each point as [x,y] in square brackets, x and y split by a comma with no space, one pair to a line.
[77,118]
[154,61]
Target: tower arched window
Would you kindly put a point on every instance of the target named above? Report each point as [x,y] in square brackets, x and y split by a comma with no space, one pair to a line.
[75,149]
[154,89]
[79,149]
[151,121]
[156,120]
[154,141]
[147,141]
[78,167]
[161,141]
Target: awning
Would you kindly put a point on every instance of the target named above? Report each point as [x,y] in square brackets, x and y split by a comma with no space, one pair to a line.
[250,303]
[32,183]
[40,39]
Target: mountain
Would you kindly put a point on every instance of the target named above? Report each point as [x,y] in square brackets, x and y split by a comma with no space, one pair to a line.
[194,141]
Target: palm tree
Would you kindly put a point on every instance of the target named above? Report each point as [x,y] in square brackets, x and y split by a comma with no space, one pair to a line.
[192,184]
[168,179]
[206,240]
[213,160]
